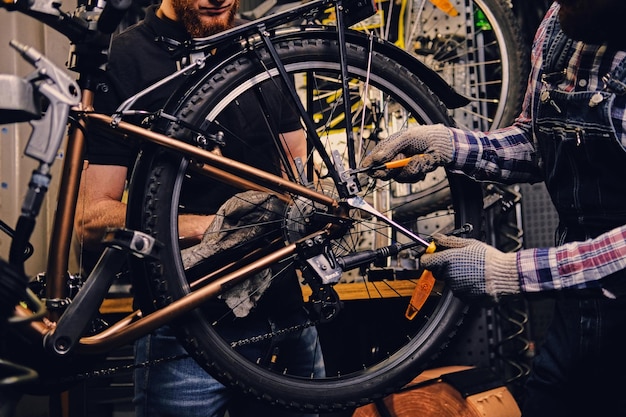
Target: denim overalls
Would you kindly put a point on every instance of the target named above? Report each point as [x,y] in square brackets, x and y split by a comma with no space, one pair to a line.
[584,163]
[580,369]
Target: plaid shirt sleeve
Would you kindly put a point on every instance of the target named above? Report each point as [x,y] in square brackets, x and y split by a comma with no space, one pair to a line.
[573,265]
[506,155]
[509,155]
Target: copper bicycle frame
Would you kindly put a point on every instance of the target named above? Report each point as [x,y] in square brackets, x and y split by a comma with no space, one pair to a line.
[135,325]
[232,172]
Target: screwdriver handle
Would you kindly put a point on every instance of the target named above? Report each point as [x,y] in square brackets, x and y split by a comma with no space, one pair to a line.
[397,164]
[387,165]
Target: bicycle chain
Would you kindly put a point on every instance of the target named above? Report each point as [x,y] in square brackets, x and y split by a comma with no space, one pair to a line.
[262,337]
[98,373]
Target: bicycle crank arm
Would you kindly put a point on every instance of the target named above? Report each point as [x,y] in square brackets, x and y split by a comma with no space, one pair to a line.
[359,203]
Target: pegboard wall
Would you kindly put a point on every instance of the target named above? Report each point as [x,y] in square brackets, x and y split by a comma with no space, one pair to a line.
[474,342]
[539,218]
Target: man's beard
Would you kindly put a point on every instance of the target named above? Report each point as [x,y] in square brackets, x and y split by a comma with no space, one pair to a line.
[198,28]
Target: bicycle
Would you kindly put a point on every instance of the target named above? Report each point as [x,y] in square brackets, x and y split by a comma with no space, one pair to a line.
[358,256]
[477,46]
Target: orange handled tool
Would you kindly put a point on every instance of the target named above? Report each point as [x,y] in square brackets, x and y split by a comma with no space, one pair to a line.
[446,6]
[422,290]
[387,165]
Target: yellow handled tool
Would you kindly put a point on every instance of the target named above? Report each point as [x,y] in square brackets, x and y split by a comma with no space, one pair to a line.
[387,165]
[422,290]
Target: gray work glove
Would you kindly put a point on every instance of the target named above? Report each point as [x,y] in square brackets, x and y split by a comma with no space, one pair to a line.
[241,219]
[429,146]
[472,268]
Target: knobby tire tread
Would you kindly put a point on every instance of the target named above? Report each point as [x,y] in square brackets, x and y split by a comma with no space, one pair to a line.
[149,198]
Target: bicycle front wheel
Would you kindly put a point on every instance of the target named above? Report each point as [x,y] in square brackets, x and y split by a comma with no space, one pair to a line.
[370,349]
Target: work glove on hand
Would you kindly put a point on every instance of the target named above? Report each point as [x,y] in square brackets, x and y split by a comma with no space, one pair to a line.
[429,146]
[472,268]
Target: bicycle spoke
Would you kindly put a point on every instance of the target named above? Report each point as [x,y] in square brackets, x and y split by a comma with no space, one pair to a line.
[370,294]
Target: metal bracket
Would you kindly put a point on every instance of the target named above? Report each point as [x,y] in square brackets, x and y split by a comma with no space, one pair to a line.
[138,243]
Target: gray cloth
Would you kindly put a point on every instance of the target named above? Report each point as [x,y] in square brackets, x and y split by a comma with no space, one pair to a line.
[241,219]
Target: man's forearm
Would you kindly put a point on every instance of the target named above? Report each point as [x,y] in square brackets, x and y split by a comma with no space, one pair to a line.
[191,227]
[92,222]
[112,214]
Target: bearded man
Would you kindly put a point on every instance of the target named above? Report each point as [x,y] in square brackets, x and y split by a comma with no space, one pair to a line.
[139,56]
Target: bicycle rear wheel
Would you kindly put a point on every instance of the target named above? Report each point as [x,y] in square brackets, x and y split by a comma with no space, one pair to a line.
[370,348]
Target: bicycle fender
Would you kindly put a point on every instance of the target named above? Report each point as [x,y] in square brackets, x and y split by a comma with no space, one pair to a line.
[446,93]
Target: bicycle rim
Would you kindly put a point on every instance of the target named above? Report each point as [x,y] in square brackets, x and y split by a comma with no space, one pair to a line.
[484,59]
[475,45]
[370,348]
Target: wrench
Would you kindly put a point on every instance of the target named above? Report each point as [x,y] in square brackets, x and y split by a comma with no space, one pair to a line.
[358,203]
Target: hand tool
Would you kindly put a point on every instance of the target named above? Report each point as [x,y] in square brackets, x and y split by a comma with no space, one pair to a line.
[387,165]
[358,203]
[426,281]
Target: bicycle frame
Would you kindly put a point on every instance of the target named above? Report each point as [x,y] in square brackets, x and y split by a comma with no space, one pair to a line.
[63,328]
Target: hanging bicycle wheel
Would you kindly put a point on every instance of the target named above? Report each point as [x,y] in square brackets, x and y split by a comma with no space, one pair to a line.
[481,52]
[369,347]
[475,45]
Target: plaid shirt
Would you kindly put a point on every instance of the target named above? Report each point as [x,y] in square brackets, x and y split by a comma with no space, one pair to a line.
[510,155]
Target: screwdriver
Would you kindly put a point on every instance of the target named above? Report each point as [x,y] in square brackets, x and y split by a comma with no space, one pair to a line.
[387,165]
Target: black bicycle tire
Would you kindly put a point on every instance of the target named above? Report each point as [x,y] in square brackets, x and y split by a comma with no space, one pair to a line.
[515,57]
[512,51]
[165,171]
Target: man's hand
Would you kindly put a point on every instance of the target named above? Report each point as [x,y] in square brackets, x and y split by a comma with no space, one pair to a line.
[473,268]
[241,219]
[429,147]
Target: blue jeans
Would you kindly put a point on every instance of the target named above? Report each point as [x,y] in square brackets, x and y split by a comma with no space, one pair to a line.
[181,388]
[580,369]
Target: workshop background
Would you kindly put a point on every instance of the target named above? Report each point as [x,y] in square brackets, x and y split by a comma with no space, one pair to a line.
[501,338]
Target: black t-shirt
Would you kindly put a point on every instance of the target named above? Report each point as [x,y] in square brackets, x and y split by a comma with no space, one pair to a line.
[138,58]
[143,55]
